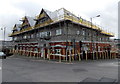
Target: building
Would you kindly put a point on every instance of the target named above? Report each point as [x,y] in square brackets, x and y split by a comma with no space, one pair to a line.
[60,35]
[6,44]
[1,45]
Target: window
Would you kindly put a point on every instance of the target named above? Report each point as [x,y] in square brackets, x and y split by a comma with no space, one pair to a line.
[49,33]
[37,35]
[28,36]
[35,49]
[78,32]
[59,32]
[83,32]
[57,51]
[31,35]
[100,38]
[42,34]
[15,38]
[88,33]
[107,38]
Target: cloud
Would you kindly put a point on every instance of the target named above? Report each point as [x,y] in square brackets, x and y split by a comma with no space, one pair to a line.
[110,18]
[11,11]
[31,8]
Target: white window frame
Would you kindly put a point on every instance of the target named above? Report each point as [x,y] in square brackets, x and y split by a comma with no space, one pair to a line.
[83,32]
[78,32]
[58,31]
[15,38]
[58,51]
[32,35]
[49,33]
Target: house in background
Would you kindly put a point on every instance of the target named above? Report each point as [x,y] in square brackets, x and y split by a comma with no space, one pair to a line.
[6,44]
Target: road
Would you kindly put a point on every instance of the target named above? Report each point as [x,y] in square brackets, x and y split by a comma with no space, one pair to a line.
[18,69]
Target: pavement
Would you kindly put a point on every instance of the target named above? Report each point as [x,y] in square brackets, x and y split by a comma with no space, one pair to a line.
[23,69]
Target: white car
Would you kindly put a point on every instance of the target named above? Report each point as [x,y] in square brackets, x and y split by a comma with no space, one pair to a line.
[2,55]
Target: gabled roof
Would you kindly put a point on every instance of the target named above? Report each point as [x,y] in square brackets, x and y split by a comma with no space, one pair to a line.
[52,15]
[31,20]
[59,14]
[16,27]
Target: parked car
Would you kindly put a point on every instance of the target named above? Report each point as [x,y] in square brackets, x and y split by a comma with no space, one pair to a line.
[7,52]
[2,55]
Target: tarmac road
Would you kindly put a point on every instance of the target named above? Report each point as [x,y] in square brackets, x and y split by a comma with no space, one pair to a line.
[18,69]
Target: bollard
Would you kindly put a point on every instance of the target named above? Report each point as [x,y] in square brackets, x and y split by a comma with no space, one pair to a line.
[37,55]
[86,54]
[73,54]
[115,55]
[19,52]
[79,56]
[96,55]
[93,55]
[69,56]
[66,57]
[59,58]
[34,55]
[24,53]
[64,54]
[54,57]
[30,54]
[110,54]
[44,54]
[105,55]
[102,55]
[49,54]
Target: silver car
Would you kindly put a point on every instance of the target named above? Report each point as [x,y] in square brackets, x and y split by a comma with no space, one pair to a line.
[2,55]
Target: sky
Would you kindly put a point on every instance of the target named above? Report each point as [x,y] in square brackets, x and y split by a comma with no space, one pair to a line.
[11,11]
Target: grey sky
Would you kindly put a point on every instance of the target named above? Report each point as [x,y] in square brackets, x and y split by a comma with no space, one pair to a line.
[11,11]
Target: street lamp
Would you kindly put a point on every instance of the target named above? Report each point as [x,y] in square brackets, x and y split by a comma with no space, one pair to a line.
[92,18]
[92,35]
[4,36]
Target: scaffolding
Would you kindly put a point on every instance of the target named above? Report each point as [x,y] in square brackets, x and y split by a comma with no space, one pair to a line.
[58,15]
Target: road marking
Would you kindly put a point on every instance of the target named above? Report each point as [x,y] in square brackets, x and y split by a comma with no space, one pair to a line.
[0,68]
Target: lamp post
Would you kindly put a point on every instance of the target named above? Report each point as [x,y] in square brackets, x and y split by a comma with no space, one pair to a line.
[92,36]
[3,36]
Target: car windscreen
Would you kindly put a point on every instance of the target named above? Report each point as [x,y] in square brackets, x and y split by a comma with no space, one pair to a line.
[1,53]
